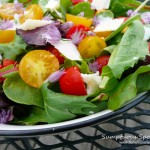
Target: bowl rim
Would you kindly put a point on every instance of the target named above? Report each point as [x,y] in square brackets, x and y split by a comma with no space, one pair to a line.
[13,131]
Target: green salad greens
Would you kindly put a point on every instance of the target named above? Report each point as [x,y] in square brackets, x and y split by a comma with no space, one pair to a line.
[65,59]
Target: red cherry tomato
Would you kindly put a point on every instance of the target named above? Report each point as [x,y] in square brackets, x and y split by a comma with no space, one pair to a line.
[125,18]
[7,62]
[56,53]
[72,83]
[1,66]
[76,28]
[77,1]
[102,61]
[1,78]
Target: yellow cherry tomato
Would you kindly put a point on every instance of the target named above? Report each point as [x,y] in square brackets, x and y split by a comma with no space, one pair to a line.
[8,10]
[7,36]
[103,34]
[33,11]
[36,66]
[79,20]
[91,46]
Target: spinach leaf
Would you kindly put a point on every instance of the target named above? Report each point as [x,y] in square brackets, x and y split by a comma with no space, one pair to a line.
[108,50]
[69,63]
[143,82]
[109,82]
[102,105]
[18,91]
[105,14]
[82,7]
[60,107]
[27,2]
[6,1]
[35,115]
[64,7]
[120,7]
[126,90]
[13,49]
[84,68]
[131,48]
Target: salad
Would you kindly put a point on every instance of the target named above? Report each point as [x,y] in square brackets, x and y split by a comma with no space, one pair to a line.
[64,59]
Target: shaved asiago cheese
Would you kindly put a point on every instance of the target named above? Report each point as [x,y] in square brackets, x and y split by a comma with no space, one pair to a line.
[92,81]
[109,25]
[147,33]
[53,4]
[30,24]
[68,49]
[100,4]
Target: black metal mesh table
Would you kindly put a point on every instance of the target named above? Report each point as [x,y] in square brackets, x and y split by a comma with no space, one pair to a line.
[128,131]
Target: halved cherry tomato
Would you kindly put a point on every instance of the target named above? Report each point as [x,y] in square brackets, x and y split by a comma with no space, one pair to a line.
[1,66]
[77,1]
[103,34]
[79,20]
[76,28]
[7,62]
[7,36]
[56,53]
[8,10]
[91,46]
[36,66]
[125,18]
[1,78]
[102,61]
[33,11]
[72,83]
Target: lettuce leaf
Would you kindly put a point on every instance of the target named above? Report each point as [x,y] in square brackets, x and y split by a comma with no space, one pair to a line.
[13,49]
[120,7]
[60,107]
[18,91]
[131,49]
[33,116]
[64,7]
[7,1]
[82,7]
[143,82]
[126,90]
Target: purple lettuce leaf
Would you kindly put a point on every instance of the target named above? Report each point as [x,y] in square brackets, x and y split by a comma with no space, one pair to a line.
[41,35]
[4,101]
[6,115]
